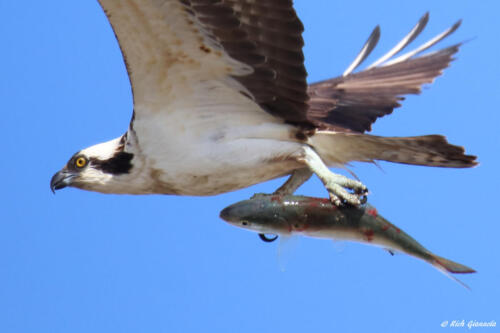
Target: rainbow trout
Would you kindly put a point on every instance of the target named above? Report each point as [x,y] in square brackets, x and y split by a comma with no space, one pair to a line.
[316,217]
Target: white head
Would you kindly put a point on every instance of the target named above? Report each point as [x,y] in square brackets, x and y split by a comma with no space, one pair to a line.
[100,168]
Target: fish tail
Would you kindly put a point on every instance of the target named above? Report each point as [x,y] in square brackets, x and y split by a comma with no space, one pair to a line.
[447,267]
[451,266]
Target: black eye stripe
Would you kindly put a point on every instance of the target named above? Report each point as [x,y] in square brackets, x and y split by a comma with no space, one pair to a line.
[120,163]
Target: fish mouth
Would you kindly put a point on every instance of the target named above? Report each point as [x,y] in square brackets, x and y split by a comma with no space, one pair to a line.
[227,214]
[239,212]
[61,180]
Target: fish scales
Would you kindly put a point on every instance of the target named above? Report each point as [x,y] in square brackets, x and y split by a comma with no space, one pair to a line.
[318,217]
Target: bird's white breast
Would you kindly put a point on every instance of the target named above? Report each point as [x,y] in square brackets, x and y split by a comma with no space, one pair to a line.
[206,147]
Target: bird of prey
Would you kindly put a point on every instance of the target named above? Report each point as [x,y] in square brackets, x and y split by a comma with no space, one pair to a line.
[221,102]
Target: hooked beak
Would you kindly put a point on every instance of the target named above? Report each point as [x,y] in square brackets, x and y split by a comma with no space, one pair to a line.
[61,180]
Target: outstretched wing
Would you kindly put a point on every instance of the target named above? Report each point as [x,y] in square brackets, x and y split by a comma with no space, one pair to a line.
[354,101]
[226,48]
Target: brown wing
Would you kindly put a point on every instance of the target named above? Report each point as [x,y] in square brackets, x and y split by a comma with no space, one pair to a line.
[355,101]
[276,31]
[256,42]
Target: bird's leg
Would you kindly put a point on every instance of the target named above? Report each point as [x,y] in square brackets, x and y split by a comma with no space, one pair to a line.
[335,184]
[296,179]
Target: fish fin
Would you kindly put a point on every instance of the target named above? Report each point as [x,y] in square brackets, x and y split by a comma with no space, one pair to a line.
[286,244]
[391,252]
[339,245]
[447,267]
[451,266]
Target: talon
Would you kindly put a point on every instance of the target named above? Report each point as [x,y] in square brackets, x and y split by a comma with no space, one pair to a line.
[339,195]
[363,199]
[335,199]
[337,185]
[362,190]
[266,239]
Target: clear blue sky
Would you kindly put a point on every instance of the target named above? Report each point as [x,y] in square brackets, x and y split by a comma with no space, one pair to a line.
[87,262]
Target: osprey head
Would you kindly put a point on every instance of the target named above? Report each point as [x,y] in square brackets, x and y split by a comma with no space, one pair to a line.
[95,168]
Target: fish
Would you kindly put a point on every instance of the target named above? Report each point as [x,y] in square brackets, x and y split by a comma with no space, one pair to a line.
[289,215]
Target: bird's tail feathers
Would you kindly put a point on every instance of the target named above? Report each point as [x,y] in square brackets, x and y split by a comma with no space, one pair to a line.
[429,150]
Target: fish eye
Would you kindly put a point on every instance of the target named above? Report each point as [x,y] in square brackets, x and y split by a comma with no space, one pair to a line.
[244,223]
[80,162]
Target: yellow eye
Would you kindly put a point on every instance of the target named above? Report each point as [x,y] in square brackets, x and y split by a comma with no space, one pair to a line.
[80,162]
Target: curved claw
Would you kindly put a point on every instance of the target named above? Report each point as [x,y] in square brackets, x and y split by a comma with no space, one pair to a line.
[363,199]
[338,187]
[340,196]
[266,239]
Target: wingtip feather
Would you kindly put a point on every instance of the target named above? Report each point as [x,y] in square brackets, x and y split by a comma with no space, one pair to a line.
[403,43]
[367,48]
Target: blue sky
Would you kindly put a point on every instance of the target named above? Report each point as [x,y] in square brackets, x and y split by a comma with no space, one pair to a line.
[87,262]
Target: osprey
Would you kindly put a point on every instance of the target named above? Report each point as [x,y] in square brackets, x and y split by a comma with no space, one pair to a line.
[221,103]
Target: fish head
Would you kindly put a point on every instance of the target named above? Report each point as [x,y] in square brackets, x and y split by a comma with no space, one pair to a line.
[255,215]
